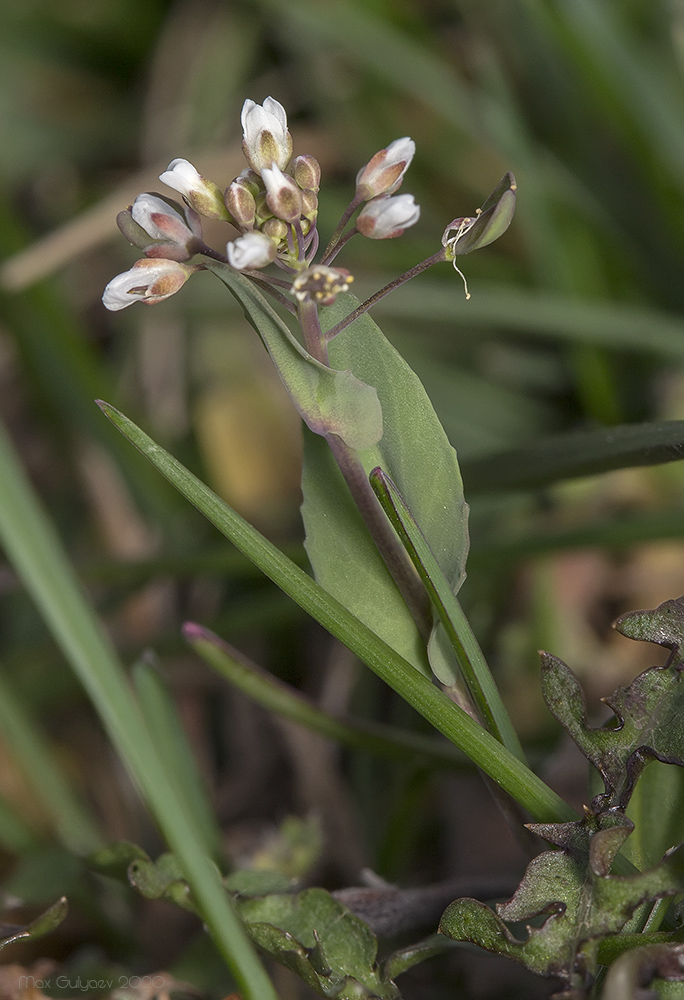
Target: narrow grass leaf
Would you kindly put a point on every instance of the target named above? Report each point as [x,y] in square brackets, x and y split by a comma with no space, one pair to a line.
[276,696]
[166,729]
[73,824]
[472,663]
[31,543]
[580,453]
[482,748]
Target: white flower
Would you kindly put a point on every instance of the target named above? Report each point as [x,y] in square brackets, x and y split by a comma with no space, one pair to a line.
[321,284]
[283,196]
[202,194]
[162,221]
[147,281]
[384,173]
[387,217]
[266,138]
[254,249]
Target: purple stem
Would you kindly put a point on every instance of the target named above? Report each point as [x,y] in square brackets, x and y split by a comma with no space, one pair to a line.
[436,258]
[382,532]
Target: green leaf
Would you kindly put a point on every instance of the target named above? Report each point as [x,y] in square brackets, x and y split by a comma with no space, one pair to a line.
[30,541]
[329,401]
[161,879]
[580,453]
[405,958]
[650,723]
[334,951]
[115,859]
[416,453]
[472,663]
[663,625]
[581,902]
[43,924]
[485,751]
[166,728]
[276,696]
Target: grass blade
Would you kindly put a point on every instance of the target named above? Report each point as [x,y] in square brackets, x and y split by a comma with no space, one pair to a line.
[36,552]
[483,749]
[166,729]
[473,665]
[580,453]
[286,701]
[73,824]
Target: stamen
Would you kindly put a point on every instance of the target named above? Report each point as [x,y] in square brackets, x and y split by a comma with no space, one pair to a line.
[465,283]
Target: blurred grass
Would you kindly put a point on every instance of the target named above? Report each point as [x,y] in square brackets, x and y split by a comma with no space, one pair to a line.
[575,323]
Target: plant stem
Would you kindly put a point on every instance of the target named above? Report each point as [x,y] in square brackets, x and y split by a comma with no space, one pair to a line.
[346,216]
[356,478]
[383,534]
[436,258]
[340,245]
[214,254]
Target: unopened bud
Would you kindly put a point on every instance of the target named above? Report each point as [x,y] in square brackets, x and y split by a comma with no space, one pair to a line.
[306,170]
[147,281]
[387,217]
[240,203]
[202,194]
[276,229]
[321,284]
[266,138]
[283,196]
[156,226]
[251,250]
[385,171]
[309,205]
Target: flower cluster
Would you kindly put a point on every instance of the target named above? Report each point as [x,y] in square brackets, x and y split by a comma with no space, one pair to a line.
[273,205]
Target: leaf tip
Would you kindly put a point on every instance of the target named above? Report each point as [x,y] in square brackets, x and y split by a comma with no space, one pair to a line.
[192,631]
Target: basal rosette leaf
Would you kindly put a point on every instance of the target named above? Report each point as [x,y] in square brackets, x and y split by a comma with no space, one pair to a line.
[572,889]
[332,950]
[650,724]
[46,922]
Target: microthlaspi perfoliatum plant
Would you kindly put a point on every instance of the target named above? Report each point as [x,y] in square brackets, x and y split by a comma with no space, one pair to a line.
[387,538]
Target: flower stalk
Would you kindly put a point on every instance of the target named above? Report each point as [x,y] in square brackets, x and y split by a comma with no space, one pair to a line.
[273,205]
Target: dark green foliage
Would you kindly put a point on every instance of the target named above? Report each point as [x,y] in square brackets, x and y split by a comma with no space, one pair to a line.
[573,888]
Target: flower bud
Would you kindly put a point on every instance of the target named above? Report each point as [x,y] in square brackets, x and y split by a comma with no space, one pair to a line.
[283,196]
[321,284]
[147,281]
[251,250]
[241,203]
[202,194]
[266,138]
[156,226]
[387,217]
[309,205]
[385,171]
[306,170]
[275,229]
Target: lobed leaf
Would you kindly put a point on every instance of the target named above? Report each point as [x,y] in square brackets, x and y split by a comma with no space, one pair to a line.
[572,890]
[650,724]
[313,934]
